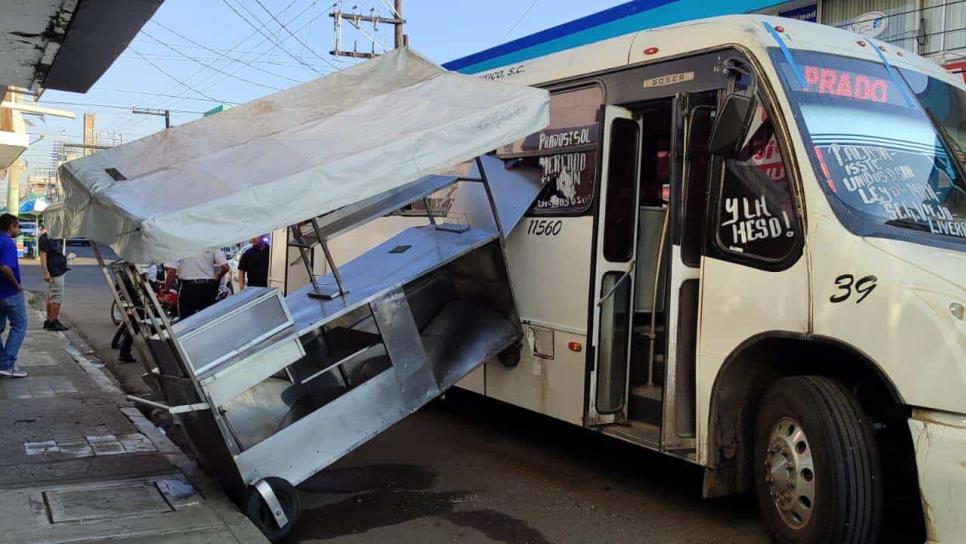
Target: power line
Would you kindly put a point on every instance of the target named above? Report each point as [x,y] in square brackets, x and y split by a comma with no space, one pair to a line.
[163,71]
[237,44]
[274,46]
[114,106]
[520,20]
[391,8]
[296,38]
[163,95]
[209,66]
[199,71]
[277,44]
[272,61]
[222,55]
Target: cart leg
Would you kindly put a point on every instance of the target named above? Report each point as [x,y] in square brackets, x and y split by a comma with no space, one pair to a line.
[273,506]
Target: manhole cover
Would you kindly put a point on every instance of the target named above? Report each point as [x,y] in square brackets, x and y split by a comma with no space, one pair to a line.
[106,502]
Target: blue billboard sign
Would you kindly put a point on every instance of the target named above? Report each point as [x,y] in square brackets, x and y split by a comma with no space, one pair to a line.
[804,13]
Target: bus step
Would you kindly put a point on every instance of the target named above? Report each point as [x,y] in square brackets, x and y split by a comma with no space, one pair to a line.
[645,404]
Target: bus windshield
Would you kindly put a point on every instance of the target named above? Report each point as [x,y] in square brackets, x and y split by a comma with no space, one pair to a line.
[886,145]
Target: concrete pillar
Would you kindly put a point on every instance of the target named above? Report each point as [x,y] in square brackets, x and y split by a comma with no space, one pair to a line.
[14,173]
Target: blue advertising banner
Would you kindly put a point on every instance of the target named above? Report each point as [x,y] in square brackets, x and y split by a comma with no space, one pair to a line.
[804,13]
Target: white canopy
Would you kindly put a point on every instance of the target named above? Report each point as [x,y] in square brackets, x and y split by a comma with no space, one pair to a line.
[290,156]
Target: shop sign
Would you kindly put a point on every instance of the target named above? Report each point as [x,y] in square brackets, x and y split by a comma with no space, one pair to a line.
[804,13]
[870,25]
[958,68]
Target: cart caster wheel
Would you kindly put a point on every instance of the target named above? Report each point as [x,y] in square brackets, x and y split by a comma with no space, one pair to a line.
[257,508]
[510,357]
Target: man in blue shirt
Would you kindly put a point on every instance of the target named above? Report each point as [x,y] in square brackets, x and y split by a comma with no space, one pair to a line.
[12,305]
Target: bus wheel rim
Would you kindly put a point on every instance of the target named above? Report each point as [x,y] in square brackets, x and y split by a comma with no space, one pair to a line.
[790,472]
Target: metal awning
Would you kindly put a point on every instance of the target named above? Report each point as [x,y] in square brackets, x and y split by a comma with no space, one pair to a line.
[66,44]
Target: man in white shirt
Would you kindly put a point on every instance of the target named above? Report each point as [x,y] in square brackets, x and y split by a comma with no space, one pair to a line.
[199,278]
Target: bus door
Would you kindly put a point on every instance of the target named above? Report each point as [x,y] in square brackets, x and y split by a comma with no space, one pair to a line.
[614,266]
[693,121]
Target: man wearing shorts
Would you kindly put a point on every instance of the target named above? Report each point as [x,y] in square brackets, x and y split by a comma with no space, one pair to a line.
[54,264]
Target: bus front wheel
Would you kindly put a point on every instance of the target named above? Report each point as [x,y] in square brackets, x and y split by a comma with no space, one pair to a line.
[816,464]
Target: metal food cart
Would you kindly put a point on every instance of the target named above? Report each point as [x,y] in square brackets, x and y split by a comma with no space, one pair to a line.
[273,388]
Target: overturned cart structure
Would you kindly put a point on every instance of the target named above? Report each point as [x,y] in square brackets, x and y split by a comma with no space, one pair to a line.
[271,389]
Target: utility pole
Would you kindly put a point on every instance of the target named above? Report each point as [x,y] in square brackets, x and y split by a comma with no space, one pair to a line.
[161,113]
[356,20]
[400,37]
[90,136]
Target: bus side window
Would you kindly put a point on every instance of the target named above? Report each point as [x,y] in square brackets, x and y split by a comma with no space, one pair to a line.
[565,152]
[698,159]
[620,230]
[756,211]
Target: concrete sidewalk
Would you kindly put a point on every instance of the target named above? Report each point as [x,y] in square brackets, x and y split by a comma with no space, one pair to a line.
[79,463]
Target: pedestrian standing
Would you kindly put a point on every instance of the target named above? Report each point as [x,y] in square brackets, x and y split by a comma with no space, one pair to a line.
[198,278]
[13,309]
[53,262]
[253,265]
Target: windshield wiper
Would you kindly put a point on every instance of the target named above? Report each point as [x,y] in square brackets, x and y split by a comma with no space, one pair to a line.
[909,224]
[945,136]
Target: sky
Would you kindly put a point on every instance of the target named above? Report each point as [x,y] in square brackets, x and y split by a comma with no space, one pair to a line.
[196,54]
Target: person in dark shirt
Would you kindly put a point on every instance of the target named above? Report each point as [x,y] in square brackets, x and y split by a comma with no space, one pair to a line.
[253,265]
[12,305]
[53,262]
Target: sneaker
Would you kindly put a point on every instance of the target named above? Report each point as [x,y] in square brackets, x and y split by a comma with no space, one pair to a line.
[125,358]
[13,373]
[46,324]
[56,325]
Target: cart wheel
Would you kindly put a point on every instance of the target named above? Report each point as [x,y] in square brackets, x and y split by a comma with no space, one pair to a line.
[510,357]
[116,315]
[261,515]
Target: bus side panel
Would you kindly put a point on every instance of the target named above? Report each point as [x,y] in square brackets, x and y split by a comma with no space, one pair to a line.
[738,302]
[550,273]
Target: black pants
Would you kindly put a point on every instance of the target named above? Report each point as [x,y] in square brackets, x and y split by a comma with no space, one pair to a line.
[194,297]
[127,340]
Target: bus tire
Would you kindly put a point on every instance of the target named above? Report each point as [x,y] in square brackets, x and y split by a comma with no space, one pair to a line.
[817,471]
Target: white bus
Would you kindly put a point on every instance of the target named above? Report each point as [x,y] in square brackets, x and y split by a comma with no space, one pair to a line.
[751,255]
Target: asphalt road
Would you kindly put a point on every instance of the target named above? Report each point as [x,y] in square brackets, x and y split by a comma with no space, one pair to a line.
[470,470]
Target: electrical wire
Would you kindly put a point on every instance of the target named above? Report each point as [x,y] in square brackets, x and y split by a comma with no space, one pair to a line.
[142,119]
[277,44]
[520,20]
[240,60]
[238,44]
[369,37]
[162,95]
[209,66]
[391,8]
[178,81]
[222,55]
[296,38]
[274,44]
[113,106]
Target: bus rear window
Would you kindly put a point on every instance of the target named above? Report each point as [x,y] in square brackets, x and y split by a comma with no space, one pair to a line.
[565,152]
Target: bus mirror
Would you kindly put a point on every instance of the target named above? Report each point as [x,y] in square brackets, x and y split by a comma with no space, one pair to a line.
[732,125]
